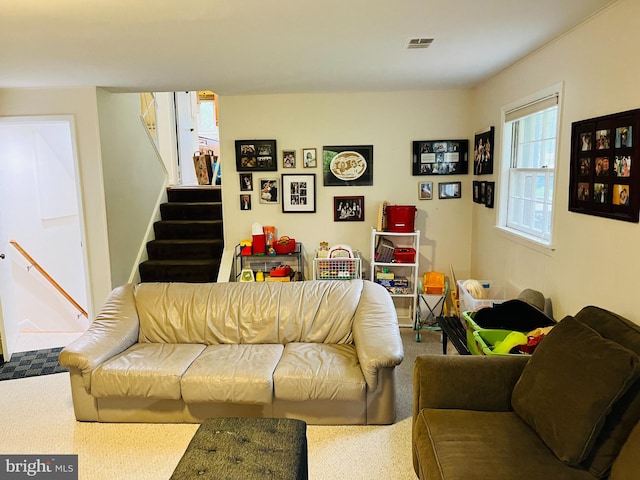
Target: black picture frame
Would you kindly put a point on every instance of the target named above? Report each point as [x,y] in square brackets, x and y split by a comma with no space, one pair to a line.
[604,177]
[447,190]
[440,157]
[476,191]
[246,182]
[256,156]
[490,194]
[347,165]
[298,192]
[348,209]
[245,201]
[483,148]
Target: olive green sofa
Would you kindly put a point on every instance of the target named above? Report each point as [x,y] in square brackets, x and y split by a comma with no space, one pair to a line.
[570,411]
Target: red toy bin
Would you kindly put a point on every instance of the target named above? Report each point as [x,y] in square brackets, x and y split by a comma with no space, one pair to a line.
[404,255]
[400,218]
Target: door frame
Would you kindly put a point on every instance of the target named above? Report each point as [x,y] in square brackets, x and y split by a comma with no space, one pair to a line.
[70,121]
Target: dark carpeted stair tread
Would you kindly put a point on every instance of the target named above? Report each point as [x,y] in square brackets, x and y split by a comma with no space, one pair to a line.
[191,211]
[185,249]
[195,194]
[188,229]
[179,271]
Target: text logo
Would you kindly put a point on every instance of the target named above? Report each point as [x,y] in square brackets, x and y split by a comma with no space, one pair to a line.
[49,467]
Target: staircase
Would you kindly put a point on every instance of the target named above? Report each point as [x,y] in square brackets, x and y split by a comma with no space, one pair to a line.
[188,240]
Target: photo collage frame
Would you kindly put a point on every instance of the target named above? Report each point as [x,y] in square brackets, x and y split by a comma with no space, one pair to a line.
[440,157]
[604,179]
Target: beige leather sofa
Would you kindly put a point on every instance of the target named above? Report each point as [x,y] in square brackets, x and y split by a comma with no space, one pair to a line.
[320,351]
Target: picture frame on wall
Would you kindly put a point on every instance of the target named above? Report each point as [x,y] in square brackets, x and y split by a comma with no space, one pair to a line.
[347,165]
[604,177]
[256,156]
[309,158]
[425,190]
[269,190]
[448,190]
[483,148]
[288,159]
[298,193]
[246,182]
[440,157]
[245,201]
[490,194]
[348,209]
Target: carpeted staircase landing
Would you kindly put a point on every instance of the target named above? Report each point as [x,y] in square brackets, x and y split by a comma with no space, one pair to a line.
[189,238]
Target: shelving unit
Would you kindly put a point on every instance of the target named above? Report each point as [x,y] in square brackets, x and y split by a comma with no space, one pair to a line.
[294,259]
[405,301]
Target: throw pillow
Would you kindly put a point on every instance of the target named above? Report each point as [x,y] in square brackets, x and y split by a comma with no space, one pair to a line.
[569,385]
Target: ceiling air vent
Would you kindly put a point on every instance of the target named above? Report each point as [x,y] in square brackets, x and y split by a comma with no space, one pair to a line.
[419,43]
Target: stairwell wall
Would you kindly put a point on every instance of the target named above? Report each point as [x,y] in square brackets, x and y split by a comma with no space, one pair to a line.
[134,181]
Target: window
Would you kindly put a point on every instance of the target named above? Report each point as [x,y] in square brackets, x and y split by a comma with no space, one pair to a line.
[530,150]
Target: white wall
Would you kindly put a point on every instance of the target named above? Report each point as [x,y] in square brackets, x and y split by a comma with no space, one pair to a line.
[81,103]
[134,180]
[389,122]
[596,260]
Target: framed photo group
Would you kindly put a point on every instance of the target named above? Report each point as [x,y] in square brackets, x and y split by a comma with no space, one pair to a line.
[484,192]
[440,157]
[604,166]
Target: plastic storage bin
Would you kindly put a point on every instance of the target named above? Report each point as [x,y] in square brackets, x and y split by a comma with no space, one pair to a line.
[485,341]
[494,294]
[404,255]
[341,268]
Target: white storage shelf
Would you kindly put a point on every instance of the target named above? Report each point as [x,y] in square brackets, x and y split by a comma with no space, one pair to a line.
[406,302]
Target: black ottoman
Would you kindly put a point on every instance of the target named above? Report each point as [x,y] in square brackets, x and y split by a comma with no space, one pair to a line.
[245,449]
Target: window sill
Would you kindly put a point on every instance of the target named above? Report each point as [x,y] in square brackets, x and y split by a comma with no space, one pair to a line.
[525,240]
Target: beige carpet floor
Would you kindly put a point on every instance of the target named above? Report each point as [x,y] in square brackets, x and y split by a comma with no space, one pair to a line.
[36,417]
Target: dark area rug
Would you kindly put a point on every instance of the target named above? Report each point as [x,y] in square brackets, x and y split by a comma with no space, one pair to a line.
[32,364]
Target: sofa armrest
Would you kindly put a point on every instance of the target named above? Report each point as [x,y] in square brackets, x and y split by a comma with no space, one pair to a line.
[114,330]
[467,382]
[375,332]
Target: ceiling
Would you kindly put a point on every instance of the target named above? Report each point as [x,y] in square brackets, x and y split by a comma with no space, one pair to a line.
[273,46]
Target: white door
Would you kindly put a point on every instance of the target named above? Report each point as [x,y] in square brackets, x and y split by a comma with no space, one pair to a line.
[186,119]
[8,323]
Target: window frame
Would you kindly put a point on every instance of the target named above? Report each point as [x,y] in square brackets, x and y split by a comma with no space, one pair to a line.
[517,110]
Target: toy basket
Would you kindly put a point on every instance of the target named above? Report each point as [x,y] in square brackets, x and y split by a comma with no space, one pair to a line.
[338,268]
[284,245]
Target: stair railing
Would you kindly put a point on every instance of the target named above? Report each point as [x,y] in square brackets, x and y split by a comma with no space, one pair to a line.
[48,277]
[148,107]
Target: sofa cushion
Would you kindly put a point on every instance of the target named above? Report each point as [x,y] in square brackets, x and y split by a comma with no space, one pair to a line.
[626,411]
[145,370]
[232,313]
[314,371]
[568,387]
[466,444]
[232,373]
